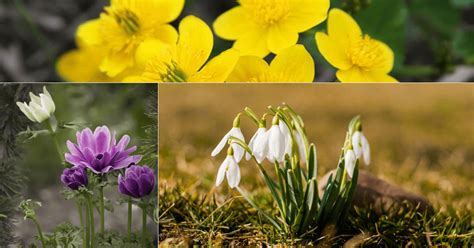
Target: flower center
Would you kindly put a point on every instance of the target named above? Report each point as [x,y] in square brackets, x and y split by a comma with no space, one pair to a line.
[366,53]
[267,12]
[127,20]
[165,72]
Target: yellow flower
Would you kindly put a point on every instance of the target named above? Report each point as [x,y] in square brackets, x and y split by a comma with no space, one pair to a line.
[184,61]
[124,25]
[293,64]
[263,26]
[358,57]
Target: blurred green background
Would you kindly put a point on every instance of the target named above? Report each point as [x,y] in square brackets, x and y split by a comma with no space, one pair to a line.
[432,39]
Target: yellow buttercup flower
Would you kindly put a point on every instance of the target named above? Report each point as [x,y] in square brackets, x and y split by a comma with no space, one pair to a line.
[263,26]
[124,25]
[184,61]
[293,64]
[358,57]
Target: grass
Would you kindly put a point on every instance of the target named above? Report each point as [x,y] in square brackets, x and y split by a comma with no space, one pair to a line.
[421,139]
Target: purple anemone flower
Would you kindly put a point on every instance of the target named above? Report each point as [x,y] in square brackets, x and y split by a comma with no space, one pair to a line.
[74,177]
[100,152]
[137,182]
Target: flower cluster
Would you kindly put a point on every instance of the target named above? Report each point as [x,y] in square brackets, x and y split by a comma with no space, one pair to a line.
[95,159]
[285,145]
[134,42]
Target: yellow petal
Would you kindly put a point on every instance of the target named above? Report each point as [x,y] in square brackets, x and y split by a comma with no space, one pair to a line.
[280,38]
[249,69]
[115,63]
[232,24]
[158,11]
[89,33]
[356,75]
[293,64]
[165,33]
[218,69]
[332,52]
[387,59]
[152,50]
[194,45]
[305,14]
[342,28]
[81,65]
[253,43]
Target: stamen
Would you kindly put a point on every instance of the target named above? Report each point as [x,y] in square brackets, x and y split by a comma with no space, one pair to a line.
[173,73]
[127,20]
[365,53]
[267,12]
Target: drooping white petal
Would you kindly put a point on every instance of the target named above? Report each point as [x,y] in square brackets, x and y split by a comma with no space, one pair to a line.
[239,151]
[356,144]
[233,174]
[221,144]
[276,145]
[25,109]
[365,149]
[286,133]
[222,170]
[258,135]
[260,149]
[349,162]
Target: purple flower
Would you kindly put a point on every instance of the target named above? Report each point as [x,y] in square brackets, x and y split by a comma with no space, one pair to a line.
[100,152]
[138,181]
[74,177]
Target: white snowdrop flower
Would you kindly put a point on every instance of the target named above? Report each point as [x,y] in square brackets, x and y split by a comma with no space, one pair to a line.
[276,144]
[361,146]
[350,161]
[254,140]
[286,133]
[40,108]
[260,147]
[230,169]
[234,132]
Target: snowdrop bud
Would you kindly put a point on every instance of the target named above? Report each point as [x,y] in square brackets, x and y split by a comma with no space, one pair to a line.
[229,169]
[40,108]
[349,162]
[361,146]
[276,144]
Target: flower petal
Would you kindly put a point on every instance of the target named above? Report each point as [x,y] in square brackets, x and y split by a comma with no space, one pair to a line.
[387,59]
[194,45]
[165,33]
[332,52]
[356,75]
[305,14]
[27,111]
[293,64]
[222,171]
[249,69]
[342,28]
[232,24]
[233,174]
[89,33]
[365,149]
[280,38]
[221,144]
[253,43]
[349,162]
[160,11]
[218,69]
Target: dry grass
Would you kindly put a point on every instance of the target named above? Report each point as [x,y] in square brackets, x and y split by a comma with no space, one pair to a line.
[421,135]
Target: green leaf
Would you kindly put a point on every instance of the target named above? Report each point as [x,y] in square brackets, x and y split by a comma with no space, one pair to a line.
[312,162]
[386,20]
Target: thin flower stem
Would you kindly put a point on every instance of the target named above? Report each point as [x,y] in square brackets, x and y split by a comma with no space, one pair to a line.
[54,137]
[79,211]
[101,209]
[87,231]
[91,221]
[129,229]
[144,216]
[40,232]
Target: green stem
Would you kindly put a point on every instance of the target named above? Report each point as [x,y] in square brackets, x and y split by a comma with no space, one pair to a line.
[54,137]
[87,233]
[129,229]
[40,232]
[101,209]
[79,211]
[91,220]
[144,226]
